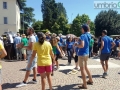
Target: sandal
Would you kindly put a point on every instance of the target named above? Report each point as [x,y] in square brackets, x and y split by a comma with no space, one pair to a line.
[90,83]
[82,87]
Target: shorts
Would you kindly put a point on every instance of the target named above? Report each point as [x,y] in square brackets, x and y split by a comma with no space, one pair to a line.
[34,63]
[57,57]
[0,77]
[76,58]
[43,69]
[23,50]
[104,56]
[82,60]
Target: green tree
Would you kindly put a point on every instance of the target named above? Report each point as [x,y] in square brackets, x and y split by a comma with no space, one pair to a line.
[27,16]
[37,25]
[76,25]
[92,28]
[107,20]
[62,22]
[49,11]
[78,22]
[55,28]
[61,9]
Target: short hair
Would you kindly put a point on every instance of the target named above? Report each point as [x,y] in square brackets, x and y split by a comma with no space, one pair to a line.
[31,29]
[105,32]
[85,28]
[18,34]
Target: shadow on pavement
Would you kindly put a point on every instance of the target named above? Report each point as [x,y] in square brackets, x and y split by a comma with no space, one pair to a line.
[62,65]
[65,71]
[66,87]
[93,76]
[9,85]
[31,75]
[22,69]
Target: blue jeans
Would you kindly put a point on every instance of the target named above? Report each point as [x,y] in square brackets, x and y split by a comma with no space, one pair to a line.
[18,53]
[70,54]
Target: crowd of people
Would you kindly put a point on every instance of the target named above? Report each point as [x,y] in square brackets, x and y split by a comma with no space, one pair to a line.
[42,52]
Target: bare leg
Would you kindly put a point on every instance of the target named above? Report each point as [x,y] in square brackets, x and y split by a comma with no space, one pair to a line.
[88,73]
[0,87]
[34,73]
[83,76]
[76,64]
[24,55]
[57,64]
[43,80]
[49,79]
[106,64]
[103,66]
[26,75]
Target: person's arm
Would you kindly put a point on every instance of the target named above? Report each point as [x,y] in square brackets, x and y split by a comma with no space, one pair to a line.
[52,55]
[59,50]
[113,44]
[81,45]
[102,44]
[3,52]
[30,45]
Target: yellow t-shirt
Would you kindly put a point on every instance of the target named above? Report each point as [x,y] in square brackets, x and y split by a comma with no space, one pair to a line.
[1,47]
[43,53]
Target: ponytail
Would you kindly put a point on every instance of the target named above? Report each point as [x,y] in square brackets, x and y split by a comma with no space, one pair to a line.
[41,37]
[41,40]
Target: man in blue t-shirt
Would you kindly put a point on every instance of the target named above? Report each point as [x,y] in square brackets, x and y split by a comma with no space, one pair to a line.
[106,45]
[83,55]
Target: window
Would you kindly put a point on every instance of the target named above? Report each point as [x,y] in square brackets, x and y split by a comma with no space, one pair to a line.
[5,5]
[5,20]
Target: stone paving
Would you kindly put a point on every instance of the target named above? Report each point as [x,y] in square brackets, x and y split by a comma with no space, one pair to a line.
[13,73]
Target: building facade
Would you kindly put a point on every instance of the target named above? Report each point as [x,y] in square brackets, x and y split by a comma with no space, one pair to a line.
[9,16]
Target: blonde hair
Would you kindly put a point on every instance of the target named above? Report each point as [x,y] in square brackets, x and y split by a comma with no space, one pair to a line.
[54,41]
[24,36]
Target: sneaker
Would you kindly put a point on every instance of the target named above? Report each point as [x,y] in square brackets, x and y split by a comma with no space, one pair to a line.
[76,68]
[104,75]
[21,85]
[34,81]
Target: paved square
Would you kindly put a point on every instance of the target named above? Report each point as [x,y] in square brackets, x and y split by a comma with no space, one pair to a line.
[13,73]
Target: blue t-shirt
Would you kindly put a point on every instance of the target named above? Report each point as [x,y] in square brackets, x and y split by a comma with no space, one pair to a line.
[107,44]
[85,50]
[117,42]
[70,45]
[36,38]
[48,38]
[61,40]
[59,44]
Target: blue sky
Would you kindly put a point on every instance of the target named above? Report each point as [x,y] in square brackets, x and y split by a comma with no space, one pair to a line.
[73,7]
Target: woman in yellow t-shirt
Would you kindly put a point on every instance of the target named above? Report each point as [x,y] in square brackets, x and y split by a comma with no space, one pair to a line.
[43,49]
[2,55]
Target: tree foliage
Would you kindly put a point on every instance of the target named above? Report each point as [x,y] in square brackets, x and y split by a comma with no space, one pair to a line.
[38,25]
[61,9]
[51,12]
[27,16]
[107,20]
[78,22]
